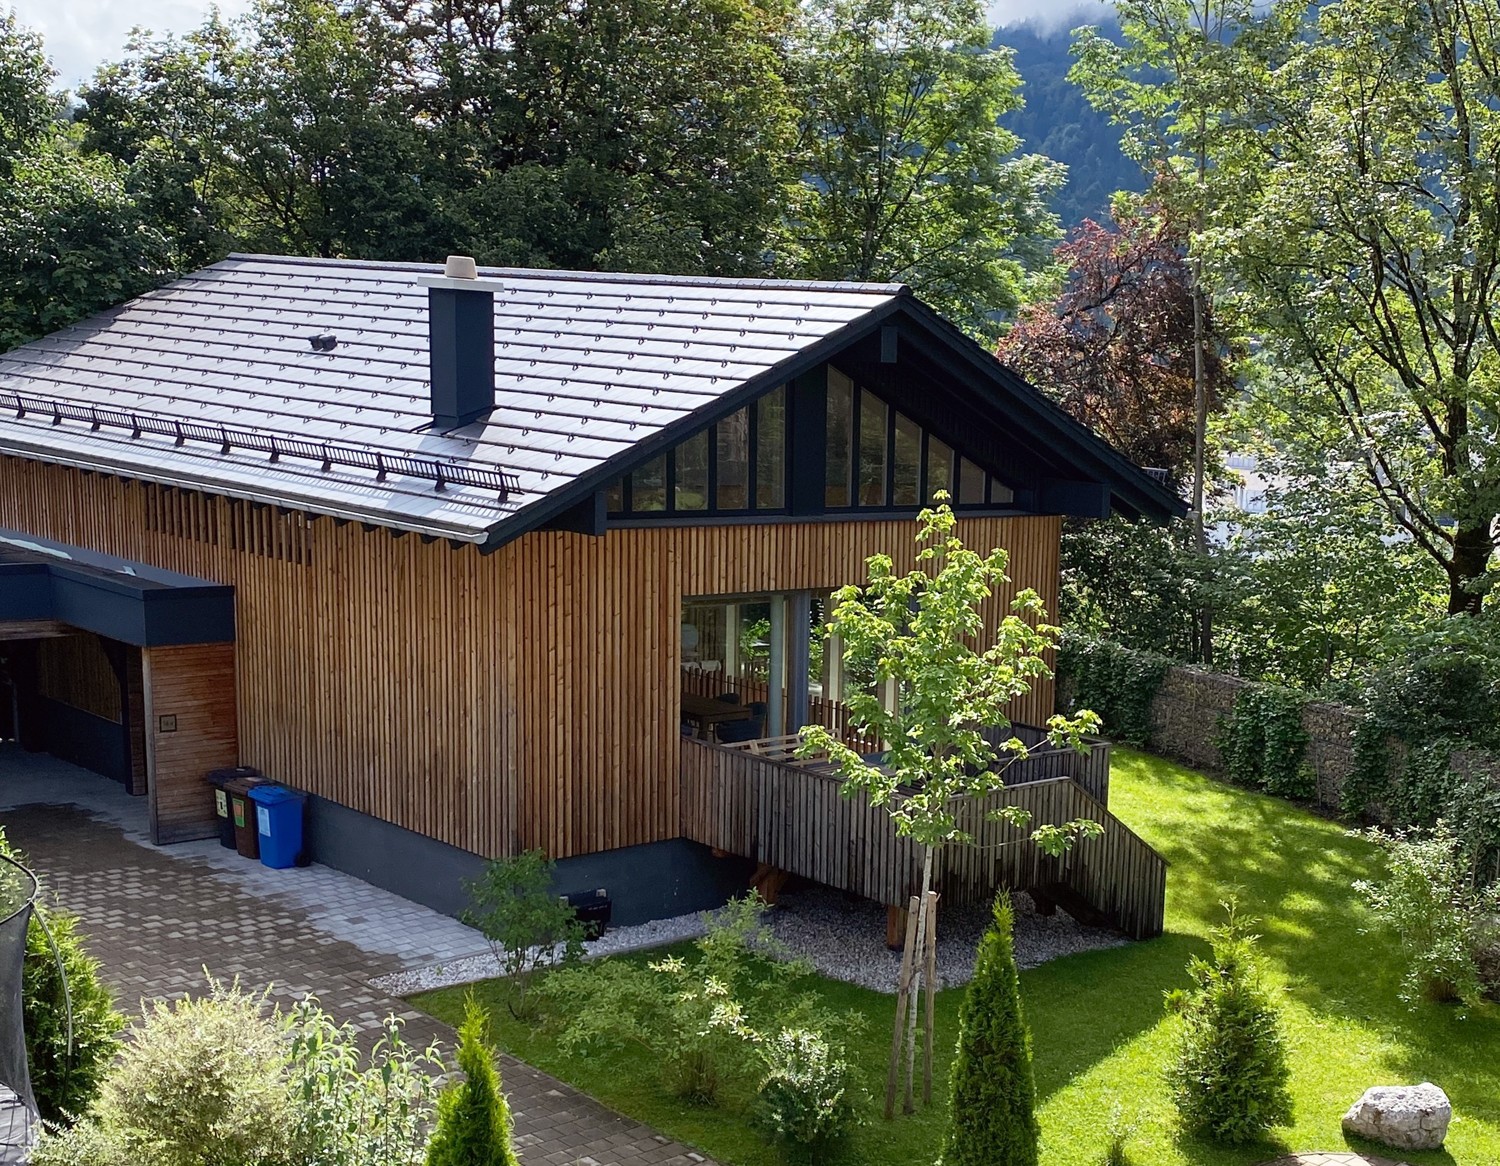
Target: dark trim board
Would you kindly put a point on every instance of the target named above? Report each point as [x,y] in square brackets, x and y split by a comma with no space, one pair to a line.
[41,580]
[653,881]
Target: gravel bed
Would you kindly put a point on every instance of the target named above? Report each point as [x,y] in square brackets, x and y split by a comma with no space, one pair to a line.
[471,969]
[844,937]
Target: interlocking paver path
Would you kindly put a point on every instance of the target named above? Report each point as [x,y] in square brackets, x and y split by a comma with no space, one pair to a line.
[157,916]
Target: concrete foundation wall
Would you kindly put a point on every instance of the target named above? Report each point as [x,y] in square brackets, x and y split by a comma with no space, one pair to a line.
[652,881]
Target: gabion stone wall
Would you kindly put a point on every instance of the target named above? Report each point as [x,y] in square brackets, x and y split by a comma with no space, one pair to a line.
[1185,721]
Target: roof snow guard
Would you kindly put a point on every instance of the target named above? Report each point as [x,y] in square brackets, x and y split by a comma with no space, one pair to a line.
[441,474]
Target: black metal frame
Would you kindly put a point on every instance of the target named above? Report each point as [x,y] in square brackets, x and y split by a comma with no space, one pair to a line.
[441,474]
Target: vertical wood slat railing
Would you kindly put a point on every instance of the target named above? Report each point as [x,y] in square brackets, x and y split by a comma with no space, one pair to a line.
[797,819]
[1090,770]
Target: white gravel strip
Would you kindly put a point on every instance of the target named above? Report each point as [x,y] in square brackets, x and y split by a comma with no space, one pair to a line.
[843,937]
[472,969]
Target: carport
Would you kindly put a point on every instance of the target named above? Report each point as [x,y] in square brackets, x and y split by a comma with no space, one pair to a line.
[121,668]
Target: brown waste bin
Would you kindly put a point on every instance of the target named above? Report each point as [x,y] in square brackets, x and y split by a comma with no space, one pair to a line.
[242,814]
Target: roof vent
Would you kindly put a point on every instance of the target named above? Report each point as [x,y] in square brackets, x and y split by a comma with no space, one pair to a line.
[324,342]
[461,342]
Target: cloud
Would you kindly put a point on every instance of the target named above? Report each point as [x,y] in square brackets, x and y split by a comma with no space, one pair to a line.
[83,34]
[1047,15]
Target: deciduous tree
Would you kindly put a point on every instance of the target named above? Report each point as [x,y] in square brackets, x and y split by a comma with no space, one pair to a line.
[1117,347]
[1365,245]
[908,175]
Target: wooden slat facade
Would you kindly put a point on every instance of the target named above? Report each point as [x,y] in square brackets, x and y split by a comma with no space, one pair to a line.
[76,671]
[797,820]
[526,698]
[195,686]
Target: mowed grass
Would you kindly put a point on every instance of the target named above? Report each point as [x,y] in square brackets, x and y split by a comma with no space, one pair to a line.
[1100,1035]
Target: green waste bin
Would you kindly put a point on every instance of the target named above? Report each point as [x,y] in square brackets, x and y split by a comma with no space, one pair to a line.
[219,780]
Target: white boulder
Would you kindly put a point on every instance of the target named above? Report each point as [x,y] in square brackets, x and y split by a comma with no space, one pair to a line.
[1409,1117]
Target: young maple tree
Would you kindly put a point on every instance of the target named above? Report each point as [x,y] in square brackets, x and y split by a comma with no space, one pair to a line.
[1115,348]
[917,632]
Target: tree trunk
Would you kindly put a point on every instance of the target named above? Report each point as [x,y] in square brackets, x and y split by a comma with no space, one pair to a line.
[1472,548]
[909,1104]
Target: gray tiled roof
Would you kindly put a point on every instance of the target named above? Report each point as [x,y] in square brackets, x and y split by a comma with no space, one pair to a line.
[587,366]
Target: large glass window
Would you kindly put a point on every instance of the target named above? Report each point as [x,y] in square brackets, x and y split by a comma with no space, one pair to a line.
[770,451]
[939,469]
[874,459]
[970,484]
[906,486]
[648,486]
[691,463]
[874,423]
[840,438]
[732,446]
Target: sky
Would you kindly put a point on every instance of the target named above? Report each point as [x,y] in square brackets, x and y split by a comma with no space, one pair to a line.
[81,34]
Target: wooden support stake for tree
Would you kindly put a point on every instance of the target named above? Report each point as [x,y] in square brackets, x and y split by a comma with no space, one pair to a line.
[895,927]
[903,995]
[930,976]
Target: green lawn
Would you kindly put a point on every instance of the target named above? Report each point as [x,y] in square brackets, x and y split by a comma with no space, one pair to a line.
[1099,1033]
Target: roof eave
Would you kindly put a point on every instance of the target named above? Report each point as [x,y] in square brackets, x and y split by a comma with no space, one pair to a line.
[206,483]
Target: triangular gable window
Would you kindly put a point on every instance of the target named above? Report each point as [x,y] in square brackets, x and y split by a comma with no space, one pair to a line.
[875,458]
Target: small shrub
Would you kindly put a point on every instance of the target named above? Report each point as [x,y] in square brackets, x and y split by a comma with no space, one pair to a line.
[473,1121]
[994,1094]
[201,1084]
[700,1018]
[528,926]
[1229,1076]
[1429,898]
[349,1116]
[809,1097]
[65,1074]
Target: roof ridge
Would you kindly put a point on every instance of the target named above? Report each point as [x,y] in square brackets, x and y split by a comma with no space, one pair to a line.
[569,275]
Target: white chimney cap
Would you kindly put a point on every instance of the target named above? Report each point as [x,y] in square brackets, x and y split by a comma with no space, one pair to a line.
[460,273]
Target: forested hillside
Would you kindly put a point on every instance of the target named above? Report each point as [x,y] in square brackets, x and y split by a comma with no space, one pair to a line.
[1059,122]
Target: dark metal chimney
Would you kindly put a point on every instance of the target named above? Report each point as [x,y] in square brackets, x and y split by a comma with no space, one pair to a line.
[461,339]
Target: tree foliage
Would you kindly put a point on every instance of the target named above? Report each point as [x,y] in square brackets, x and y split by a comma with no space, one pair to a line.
[1115,348]
[908,174]
[1362,241]
[994,1092]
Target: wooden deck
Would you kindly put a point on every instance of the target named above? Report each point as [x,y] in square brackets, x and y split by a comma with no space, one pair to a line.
[796,819]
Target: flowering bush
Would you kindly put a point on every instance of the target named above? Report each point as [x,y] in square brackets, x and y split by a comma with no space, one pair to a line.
[809,1096]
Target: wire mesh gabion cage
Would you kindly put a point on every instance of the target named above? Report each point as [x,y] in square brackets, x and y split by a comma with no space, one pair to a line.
[18,1114]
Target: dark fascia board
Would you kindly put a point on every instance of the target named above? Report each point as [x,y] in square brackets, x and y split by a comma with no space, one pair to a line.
[148,608]
[1073,442]
[540,513]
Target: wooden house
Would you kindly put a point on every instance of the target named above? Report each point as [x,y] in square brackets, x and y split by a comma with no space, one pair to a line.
[470,559]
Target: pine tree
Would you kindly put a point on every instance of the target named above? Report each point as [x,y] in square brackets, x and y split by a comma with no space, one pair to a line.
[994,1096]
[1230,1075]
[473,1122]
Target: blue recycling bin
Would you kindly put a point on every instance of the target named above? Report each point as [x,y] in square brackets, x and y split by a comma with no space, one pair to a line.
[278,824]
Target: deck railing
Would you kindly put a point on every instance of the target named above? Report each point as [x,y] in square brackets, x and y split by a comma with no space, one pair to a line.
[797,820]
[1090,770]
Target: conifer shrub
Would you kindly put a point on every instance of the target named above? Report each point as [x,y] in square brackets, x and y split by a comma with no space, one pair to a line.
[994,1094]
[473,1119]
[71,1023]
[1229,1076]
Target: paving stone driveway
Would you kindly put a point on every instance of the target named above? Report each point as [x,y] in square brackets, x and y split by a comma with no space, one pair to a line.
[157,916]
